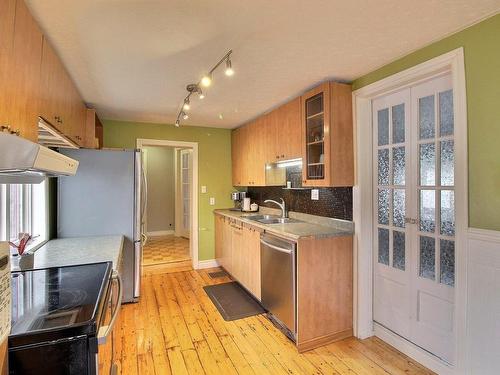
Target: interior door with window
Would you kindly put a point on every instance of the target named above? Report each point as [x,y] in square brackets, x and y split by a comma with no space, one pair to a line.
[186,178]
[414,262]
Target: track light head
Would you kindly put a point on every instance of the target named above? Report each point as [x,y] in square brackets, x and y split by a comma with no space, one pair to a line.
[177,123]
[206,80]
[229,68]
[186,105]
[184,115]
[201,95]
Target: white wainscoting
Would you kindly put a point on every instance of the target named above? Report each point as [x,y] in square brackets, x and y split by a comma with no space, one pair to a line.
[209,263]
[483,302]
[160,233]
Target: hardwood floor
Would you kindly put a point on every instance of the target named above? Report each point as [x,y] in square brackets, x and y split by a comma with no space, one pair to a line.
[175,329]
[165,249]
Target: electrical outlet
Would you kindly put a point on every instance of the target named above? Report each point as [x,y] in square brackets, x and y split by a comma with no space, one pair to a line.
[203,189]
[315,194]
[212,201]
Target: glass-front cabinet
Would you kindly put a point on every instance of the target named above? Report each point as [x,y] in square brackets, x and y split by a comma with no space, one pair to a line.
[327,158]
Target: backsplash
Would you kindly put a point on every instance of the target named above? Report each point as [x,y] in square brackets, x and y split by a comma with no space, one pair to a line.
[333,202]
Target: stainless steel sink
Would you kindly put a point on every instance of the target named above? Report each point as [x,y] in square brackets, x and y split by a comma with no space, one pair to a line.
[271,219]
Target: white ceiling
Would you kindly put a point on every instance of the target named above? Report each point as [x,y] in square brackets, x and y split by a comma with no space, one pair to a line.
[132,59]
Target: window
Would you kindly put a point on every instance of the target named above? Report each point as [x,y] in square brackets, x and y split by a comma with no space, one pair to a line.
[24,209]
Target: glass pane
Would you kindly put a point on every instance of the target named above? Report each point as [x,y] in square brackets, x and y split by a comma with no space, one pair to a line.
[383,246]
[446,113]
[185,175]
[398,241]
[383,167]
[398,123]
[383,206]
[16,211]
[427,164]
[314,105]
[447,212]
[399,208]
[398,165]
[427,257]
[426,117]
[447,163]
[447,262]
[383,127]
[427,211]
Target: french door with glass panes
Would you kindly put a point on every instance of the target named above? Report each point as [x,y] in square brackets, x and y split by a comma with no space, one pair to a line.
[186,178]
[414,216]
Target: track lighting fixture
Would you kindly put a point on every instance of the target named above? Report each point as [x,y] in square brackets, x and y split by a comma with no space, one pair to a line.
[229,69]
[205,81]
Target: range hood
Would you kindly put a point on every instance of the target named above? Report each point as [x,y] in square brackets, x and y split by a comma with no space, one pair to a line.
[26,162]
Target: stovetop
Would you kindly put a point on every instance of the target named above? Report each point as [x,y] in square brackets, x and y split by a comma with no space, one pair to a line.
[56,302]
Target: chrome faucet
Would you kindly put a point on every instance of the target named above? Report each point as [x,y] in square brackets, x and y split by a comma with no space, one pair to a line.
[282,205]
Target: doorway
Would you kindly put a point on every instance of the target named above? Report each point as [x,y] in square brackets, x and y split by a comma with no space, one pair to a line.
[410,253]
[170,215]
[414,215]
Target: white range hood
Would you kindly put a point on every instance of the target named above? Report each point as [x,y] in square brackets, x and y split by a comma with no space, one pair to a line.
[26,162]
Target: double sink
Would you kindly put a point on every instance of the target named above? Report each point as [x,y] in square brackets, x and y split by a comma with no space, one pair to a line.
[271,219]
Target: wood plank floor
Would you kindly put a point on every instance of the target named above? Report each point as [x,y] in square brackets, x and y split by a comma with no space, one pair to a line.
[175,329]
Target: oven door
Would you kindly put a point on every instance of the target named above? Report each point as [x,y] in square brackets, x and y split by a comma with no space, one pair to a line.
[105,357]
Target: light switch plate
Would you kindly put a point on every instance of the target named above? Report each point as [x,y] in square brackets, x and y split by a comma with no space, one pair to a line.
[212,201]
[315,194]
[203,189]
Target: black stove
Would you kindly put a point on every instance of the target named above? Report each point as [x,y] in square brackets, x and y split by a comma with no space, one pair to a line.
[57,306]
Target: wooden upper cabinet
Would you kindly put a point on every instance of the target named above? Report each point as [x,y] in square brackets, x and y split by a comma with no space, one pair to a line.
[327,152]
[21,71]
[288,130]
[7,20]
[60,102]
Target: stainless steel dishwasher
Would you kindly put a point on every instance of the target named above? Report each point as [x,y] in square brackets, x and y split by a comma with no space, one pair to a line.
[278,281]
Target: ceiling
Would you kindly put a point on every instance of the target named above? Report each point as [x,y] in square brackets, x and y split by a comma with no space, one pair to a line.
[131,59]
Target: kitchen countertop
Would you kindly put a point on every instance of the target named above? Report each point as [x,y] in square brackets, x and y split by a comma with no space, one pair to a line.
[73,251]
[310,225]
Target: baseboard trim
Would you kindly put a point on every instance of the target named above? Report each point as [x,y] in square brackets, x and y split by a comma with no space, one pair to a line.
[209,263]
[160,233]
[323,340]
[413,351]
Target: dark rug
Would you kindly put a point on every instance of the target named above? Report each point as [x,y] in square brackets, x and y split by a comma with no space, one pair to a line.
[233,301]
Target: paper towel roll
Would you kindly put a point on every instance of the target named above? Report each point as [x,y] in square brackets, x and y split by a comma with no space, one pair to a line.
[246,204]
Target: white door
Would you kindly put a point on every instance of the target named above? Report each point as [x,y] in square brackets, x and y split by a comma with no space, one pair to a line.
[186,178]
[414,236]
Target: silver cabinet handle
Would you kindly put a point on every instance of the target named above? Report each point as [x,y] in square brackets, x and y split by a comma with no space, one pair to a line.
[286,251]
[105,331]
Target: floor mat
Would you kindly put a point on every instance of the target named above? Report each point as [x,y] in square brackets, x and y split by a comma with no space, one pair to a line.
[215,275]
[232,301]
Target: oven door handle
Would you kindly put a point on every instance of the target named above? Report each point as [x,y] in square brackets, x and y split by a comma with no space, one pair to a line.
[105,331]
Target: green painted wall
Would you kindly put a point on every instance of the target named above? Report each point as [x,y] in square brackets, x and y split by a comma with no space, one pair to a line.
[481,44]
[214,147]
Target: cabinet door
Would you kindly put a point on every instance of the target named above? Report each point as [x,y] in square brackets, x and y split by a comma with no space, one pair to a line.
[289,130]
[219,229]
[7,16]
[256,152]
[53,94]
[227,250]
[238,254]
[316,131]
[23,75]
[252,241]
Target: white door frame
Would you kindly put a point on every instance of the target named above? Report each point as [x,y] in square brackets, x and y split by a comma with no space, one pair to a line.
[452,62]
[193,242]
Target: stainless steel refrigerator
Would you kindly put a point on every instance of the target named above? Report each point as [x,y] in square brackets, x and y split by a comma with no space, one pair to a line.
[105,197]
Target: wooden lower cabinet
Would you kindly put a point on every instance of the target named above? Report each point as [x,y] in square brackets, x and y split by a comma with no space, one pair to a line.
[324,291]
[237,250]
[324,278]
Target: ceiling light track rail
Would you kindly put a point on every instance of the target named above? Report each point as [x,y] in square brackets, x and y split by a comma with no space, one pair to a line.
[205,81]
